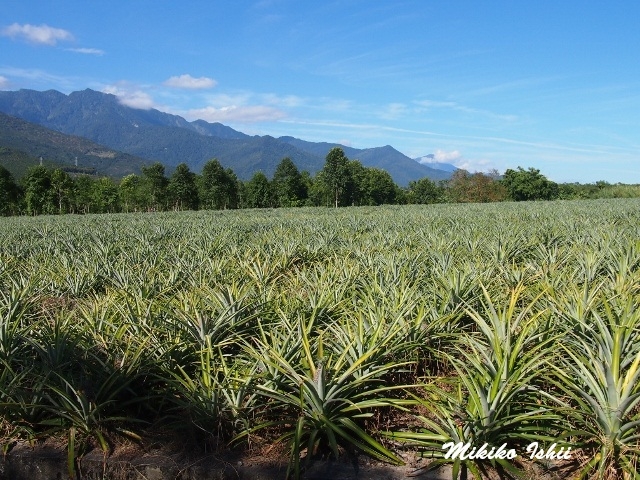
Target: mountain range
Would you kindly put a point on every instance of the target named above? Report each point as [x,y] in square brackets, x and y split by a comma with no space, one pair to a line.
[116,140]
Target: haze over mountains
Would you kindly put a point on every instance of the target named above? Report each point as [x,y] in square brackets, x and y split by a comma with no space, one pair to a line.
[117,140]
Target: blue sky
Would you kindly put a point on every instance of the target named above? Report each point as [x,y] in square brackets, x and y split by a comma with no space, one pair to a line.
[553,85]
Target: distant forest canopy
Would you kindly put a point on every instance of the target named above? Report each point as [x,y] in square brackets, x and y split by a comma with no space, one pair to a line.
[341,182]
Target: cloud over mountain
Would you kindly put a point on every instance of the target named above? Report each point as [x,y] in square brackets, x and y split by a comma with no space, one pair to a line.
[237,113]
[131,97]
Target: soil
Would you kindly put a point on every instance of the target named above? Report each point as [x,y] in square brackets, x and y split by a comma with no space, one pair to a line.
[129,462]
[46,462]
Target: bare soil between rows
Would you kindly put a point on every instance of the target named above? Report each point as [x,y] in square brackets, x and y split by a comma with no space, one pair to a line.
[49,462]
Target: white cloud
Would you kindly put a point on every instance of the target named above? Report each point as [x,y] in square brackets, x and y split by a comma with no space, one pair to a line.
[288,101]
[223,99]
[455,158]
[440,156]
[394,110]
[131,96]
[4,83]
[431,104]
[189,82]
[234,113]
[87,51]
[446,157]
[39,34]
[436,104]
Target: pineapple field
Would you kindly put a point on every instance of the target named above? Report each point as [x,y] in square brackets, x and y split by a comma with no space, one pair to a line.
[330,332]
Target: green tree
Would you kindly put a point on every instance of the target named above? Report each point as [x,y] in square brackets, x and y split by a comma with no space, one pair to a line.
[62,189]
[82,195]
[155,184]
[379,187]
[425,191]
[132,194]
[183,191]
[9,193]
[357,183]
[106,196]
[319,193]
[287,184]
[218,188]
[529,184]
[233,189]
[258,191]
[38,194]
[335,175]
[308,182]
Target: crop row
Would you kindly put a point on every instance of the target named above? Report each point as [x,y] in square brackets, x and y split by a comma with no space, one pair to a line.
[373,330]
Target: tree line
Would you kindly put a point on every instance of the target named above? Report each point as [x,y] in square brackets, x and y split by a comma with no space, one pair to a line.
[341,182]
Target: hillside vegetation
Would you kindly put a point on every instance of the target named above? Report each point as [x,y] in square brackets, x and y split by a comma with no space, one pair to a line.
[64,150]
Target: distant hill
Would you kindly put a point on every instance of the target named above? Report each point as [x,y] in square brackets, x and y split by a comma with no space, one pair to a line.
[26,141]
[157,136]
[18,162]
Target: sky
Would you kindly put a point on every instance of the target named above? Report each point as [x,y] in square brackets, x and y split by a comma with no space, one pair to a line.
[552,85]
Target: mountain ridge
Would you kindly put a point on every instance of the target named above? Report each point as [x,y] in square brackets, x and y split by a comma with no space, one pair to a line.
[153,135]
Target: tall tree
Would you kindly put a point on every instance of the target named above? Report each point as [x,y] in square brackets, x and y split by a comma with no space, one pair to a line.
[319,193]
[9,193]
[307,181]
[183,192]
[288,185]
[380,188]
[258,191]
[106,195]
[218,187]
[485,188]
[477,187]
[37,191]
[233,189]
[155,184]
[132,195]
[62,189]
[425,191]
[458,186]
[335,174]
[529,184]
[82,196]
[357,183]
